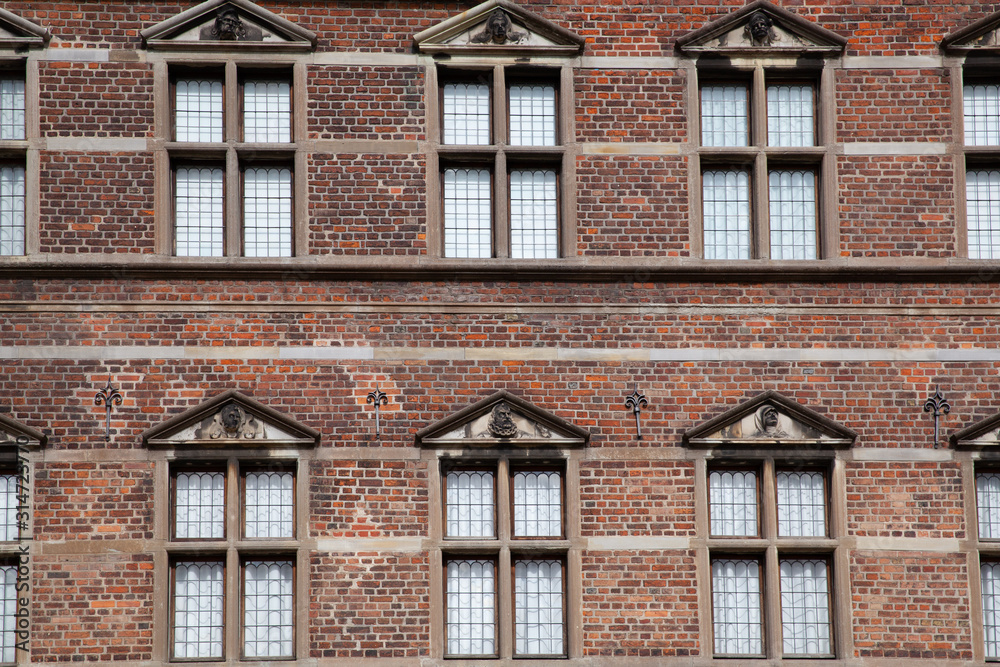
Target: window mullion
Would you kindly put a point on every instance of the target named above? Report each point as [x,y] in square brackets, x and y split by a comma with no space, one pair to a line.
[501,184]
[233,202]
[232,606]
[760,236]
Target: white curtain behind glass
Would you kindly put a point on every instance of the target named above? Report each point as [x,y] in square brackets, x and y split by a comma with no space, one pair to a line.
[724,116]
[805,607]
[467,214]
[736,618]
[989,574]
[726,214]
[12,109]
[801,504]
[8,609]
[790,115]
[198,595]
[792,208]
[200,505]
[538,607]
[471,602]
[534,214]
[8,507]
[269,505]
[198,110]
[11,210]
[537,504]
[532,115]
[267,212]
[466,113]
[982,197]
[470,504]
[267,111]
[733,502]
[268,626]
[982,115]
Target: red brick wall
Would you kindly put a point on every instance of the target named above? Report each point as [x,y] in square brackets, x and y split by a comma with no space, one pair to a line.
[620,498]
[368,499]
[380,103]
[95,99]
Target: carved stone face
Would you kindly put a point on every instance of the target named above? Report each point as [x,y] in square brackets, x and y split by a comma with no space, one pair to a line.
[231,417]
[760,28]
[769,417]
[498,26]
[228,24]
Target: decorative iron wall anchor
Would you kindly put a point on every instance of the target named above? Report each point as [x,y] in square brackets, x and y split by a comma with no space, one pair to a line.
[637,402]
[940,407]
[379,398]
[108,396]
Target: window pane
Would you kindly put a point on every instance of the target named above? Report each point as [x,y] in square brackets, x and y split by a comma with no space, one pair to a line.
[471,601]
[12,108]
[268,625]
[790,116]
[199,212]
[8,609]
[990,575]
[534,214]
[982,193]
[726,203]
[801,504]
[537,504]
[198,605]
[470,502]
[724,119]
[736,618]
[200,505]
[267,212]
[269,505]
[733,502]
[11,210]
[805,607]
[532,115]
[467,113]
[198,110]
[8,508]
[267,111]
[982,115]
[792,198]
[538,607]
[467,216]
[988,504]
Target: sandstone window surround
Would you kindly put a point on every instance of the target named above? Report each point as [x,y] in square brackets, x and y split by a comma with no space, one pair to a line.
[506,544]
[19,135]
[762,118]
[500,125]
[771,526]
[232,543]
[230,122]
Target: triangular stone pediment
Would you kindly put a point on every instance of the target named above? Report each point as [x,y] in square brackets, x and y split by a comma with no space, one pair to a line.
[14,434]
[502,420]
[231,420]
[498,27]
[17,33]
[982,36]
[983,434]
[761,28]
[770,419]
[228,24]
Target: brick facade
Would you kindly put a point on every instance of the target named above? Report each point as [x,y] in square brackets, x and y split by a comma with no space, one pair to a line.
[859,339]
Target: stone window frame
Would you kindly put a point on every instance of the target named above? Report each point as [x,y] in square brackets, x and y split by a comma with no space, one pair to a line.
[504,548]
[232,154]
[768,549]
[757,157]
[498,157]
[971,157]
[233,550]
[20,53]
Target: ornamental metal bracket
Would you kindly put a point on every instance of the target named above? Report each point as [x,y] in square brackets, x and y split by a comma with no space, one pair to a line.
[637,402]
[940,407]
[379,398]
[108,396]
